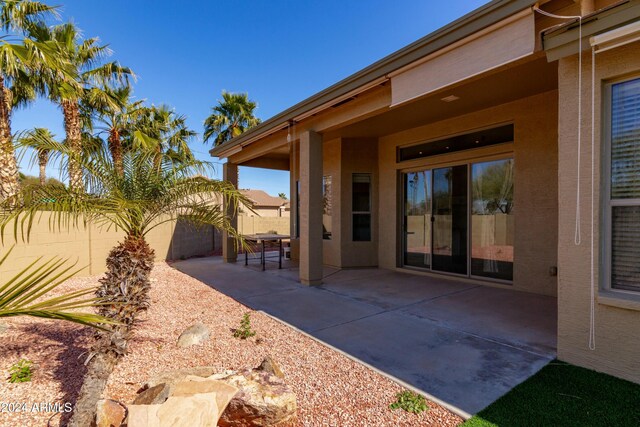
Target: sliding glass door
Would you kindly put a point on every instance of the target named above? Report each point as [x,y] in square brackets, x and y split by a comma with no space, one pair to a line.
[417,219]
[492,219]
[450,219]
[459,219]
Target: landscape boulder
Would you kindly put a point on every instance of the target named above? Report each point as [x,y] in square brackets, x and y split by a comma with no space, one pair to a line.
[176,375]
[154,395]
[193,402]
[263,400]
[256,397]
[109,413]
[195,334]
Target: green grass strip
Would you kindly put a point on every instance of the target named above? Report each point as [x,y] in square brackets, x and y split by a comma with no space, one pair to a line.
[565,395]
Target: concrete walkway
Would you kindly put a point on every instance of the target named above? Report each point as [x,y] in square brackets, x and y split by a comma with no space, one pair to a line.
[463,343]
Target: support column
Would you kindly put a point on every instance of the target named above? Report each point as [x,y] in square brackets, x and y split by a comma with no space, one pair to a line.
[310,208]
[229,249]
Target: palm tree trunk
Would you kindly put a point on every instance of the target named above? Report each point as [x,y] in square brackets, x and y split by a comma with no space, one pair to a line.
[126,287]
[73,129]
[115,147]
[43,159]
[95,380]
[9,183]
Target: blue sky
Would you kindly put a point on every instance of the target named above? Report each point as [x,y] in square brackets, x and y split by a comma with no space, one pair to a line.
[280,52]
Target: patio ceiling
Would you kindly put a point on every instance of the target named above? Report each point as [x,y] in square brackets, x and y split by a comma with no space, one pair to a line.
[372,116]
[508,84]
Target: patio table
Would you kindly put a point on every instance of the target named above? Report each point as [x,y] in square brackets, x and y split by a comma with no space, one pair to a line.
[261,239]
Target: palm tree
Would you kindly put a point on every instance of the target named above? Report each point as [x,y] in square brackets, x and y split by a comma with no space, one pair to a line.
[162,131]
[145,196]
[111,112]
[30,139]
[231,117]
[68,91]
[21,60]
[22,294]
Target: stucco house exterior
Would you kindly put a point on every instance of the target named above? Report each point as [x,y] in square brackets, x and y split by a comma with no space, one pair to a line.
[489,150]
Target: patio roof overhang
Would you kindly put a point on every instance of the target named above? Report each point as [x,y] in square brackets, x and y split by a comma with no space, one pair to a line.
[370,79]
[563,40]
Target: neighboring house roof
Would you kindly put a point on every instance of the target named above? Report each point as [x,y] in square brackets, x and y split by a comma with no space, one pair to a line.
[260,198]
[483,17]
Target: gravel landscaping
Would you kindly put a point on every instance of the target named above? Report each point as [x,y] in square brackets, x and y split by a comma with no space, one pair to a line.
[331,389]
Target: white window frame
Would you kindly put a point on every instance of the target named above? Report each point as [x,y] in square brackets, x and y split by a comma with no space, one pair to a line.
[607,205]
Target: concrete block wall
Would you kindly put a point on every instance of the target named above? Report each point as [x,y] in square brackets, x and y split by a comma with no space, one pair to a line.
[89,245]
[255,224]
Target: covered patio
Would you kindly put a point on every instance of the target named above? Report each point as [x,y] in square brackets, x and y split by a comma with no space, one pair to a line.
[462,343]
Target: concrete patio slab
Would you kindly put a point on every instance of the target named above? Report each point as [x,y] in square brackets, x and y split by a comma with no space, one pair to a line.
[390,290]
[463,343]
[465,371]
[311,309]
[523,320]
[238,283]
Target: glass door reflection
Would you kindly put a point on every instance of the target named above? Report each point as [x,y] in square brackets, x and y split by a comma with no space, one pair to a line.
[459,219]
[492,220]
[450,219]
[417,219]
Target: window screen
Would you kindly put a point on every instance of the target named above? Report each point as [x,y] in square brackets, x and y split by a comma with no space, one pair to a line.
[624,204]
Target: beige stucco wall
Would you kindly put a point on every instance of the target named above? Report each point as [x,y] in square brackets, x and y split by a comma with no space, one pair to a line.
[258,224]
[359,155]
[535,192]
[90,245]
[331,165]
[343,157]
[617,349]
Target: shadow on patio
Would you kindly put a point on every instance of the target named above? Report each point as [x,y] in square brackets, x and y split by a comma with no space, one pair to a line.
[462,343]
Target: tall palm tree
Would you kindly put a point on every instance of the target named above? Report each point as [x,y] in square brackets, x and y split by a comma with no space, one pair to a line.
[21,60]
[67,91]
[112,112]
[231,117]
[30,139]
[162,131]
[145,196]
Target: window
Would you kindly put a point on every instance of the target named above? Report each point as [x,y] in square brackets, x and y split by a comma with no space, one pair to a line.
[468,141]
[622,188]
[361,207]
[326,207]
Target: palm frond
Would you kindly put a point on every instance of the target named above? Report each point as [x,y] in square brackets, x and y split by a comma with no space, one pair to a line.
[23,294]
[21,14]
